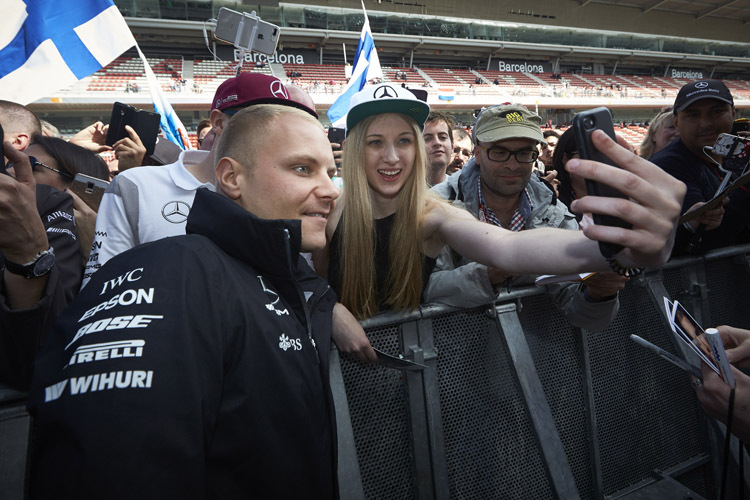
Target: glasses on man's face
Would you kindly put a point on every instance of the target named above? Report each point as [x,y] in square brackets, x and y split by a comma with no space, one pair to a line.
[502,155]
[36,163]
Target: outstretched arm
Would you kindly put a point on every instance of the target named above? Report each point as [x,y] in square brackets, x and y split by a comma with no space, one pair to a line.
[653,209]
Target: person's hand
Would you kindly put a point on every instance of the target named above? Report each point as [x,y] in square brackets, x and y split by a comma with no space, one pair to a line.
[713,394]
[737,344]
[498,276]
[551,177]
[602,285]
[92,137]
[85,222]
[129,151]
[22,233]
[710,219]
[338,153]
[350,337]
[653,208]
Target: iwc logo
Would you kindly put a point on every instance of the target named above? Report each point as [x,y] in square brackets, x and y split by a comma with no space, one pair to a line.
[175,212]
[278,90]
[701,85]
[384,92]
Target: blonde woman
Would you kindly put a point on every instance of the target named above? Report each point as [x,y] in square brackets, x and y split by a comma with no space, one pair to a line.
[386,230]
[660,134]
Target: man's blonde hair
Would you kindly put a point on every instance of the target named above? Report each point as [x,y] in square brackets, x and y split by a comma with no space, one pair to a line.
[246,131]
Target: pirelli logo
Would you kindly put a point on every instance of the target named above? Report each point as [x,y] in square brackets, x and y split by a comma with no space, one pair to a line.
[107,350]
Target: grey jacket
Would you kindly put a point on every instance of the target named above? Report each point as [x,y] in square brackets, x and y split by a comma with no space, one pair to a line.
[467,284]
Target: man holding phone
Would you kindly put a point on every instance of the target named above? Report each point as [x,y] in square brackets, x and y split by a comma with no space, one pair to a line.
[497,187]
[702,111]
[40,257]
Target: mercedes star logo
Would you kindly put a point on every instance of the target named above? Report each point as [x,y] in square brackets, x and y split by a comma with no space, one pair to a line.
[384,91]
[175,212]
[278,90]
[701,85]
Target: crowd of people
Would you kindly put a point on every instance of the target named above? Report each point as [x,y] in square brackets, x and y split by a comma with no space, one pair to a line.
[188,317]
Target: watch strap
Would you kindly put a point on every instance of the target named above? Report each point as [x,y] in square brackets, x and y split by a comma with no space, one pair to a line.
[28,270]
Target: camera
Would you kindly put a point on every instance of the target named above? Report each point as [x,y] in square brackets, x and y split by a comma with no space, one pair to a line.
[246,31]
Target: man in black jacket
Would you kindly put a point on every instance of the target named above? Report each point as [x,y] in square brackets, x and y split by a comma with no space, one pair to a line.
[197,366]
[40,258]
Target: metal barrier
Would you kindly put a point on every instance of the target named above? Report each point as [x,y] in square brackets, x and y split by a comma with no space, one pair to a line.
[516,403]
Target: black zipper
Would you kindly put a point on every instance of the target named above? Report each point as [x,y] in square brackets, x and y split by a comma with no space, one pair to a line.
[300,293]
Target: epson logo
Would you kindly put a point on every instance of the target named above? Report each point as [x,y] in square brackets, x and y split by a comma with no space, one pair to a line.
[107,350]
[126,298]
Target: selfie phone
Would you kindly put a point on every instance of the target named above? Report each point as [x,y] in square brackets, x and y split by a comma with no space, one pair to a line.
[584,124]
[89,189]
[246,31]
[336,135]
[145,123]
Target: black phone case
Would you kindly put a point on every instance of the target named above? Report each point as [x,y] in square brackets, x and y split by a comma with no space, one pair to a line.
[584,125]
[145,123]
[336,135]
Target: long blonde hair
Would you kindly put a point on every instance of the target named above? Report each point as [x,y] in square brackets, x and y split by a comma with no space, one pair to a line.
[357,236]
[647,146]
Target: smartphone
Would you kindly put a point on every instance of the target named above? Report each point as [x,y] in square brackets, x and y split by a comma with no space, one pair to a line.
[89,189]
[584,124]
[145,123]
[336,135]
[246,31]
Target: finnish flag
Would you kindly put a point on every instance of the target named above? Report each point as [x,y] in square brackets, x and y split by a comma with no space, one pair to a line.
[46,45]
[366,67]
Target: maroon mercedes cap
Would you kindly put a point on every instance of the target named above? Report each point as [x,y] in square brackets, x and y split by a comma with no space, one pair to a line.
[254,88]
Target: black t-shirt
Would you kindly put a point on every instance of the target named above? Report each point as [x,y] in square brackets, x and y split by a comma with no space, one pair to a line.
[383,229]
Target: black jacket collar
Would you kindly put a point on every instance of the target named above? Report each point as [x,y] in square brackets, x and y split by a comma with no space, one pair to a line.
[258,242]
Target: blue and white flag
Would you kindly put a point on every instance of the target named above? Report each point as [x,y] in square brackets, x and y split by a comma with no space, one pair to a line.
[366,67]
[171,125]
[46,45]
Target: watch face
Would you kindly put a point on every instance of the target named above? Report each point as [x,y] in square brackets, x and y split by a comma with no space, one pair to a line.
[44,264]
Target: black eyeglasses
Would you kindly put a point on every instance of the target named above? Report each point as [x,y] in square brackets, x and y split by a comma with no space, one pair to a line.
[503,155]
[34,162]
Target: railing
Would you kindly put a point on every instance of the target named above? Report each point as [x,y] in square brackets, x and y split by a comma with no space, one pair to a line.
[515,402]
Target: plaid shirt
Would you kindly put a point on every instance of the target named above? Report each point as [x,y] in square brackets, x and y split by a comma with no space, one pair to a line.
[520,216]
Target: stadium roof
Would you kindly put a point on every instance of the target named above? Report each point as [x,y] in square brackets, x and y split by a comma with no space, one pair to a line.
[722,9]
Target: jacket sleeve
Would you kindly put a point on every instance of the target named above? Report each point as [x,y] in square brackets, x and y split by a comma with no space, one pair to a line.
[467,285]
[22,331]
[116,225]
[132,376]
[571,301]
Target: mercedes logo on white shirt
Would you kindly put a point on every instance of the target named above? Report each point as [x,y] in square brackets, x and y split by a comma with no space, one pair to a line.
[175,212]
